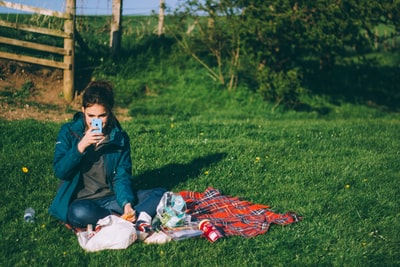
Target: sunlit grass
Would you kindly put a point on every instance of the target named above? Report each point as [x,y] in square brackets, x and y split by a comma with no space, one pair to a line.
[340,174]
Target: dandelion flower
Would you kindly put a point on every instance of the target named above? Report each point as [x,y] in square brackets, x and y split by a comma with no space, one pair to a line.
[206,172]
[347,186]
[257,159]
[25,169]
[172,125]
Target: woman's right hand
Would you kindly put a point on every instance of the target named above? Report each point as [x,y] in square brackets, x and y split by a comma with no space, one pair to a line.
[90,138]
[129,213]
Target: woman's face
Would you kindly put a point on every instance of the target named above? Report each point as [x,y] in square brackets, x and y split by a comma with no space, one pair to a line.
[95,112]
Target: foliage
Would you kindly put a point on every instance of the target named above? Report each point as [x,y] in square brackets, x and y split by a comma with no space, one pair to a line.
[285,50]
[232,38]
[371,81]
[212,40]
[282,87]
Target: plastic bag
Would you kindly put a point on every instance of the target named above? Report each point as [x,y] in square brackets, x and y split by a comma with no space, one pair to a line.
[112,232]
[172,219]
[171,211]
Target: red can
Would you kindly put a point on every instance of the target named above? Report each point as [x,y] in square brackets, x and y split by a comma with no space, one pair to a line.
[209,230]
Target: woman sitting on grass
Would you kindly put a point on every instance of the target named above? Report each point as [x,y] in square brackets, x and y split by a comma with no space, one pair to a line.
[95,167]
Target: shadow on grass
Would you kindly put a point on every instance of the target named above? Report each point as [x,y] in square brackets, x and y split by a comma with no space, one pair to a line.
[366,84]
[172,174]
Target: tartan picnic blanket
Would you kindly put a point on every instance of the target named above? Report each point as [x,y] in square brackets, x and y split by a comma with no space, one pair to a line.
[233,216]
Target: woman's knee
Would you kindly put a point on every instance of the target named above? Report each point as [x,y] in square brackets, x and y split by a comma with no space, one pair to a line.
[84,212]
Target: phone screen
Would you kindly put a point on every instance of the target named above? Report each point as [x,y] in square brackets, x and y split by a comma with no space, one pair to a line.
[97,123]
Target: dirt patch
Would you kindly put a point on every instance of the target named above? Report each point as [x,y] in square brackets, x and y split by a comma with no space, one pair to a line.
[35,92]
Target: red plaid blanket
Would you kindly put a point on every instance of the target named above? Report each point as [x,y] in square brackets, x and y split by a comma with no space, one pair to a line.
[233,216]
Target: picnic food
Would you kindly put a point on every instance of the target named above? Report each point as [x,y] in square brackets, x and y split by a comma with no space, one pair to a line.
[128,216]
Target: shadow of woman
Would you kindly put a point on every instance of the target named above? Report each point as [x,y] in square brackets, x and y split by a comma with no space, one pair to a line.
[172,174]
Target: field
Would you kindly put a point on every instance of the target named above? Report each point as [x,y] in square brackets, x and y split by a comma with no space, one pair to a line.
[336,164]
[340,172]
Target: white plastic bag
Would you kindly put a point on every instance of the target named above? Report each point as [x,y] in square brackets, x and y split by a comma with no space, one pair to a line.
[112,232]
[172,218]
[171,211]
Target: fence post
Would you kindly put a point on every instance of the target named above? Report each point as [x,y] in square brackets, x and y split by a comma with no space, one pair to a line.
[161,18]
[116,27]
[69,46]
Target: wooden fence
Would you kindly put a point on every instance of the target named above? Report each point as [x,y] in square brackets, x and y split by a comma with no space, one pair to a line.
[68,51]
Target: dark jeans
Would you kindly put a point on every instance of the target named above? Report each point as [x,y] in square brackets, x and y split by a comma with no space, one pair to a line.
[82,212]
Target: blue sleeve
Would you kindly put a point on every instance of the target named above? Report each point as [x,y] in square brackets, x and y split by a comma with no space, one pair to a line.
[123,175]
[66,154]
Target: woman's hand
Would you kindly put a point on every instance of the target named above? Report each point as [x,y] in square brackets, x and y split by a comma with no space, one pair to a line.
[129,213]
[90,138]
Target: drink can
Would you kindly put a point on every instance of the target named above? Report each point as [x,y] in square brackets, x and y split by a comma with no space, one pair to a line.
[209,230]
[29,215]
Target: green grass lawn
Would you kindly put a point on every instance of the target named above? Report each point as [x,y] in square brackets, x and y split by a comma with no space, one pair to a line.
[340,172]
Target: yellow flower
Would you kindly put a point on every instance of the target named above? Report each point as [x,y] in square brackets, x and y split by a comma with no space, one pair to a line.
[257,160]
[172,125]
[206,172]
[347,186]
[25,169]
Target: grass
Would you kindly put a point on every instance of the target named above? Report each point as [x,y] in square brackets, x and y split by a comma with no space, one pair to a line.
[339,171]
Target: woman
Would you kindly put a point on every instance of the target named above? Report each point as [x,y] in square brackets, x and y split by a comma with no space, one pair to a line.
[95,167]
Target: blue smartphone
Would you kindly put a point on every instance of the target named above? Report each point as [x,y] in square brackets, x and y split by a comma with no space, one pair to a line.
[97,123]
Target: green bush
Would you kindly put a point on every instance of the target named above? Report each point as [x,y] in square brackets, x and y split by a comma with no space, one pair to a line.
[223,35]
[281,87]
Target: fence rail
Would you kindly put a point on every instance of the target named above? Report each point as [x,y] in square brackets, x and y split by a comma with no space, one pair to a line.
[67,51]
[34,29]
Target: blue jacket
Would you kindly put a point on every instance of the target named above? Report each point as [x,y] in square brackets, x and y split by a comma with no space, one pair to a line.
[67,158]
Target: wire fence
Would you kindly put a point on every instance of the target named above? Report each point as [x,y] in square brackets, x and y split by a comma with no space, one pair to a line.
[95,7]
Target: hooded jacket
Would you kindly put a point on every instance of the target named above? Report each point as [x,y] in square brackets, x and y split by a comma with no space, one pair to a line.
[67,159]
